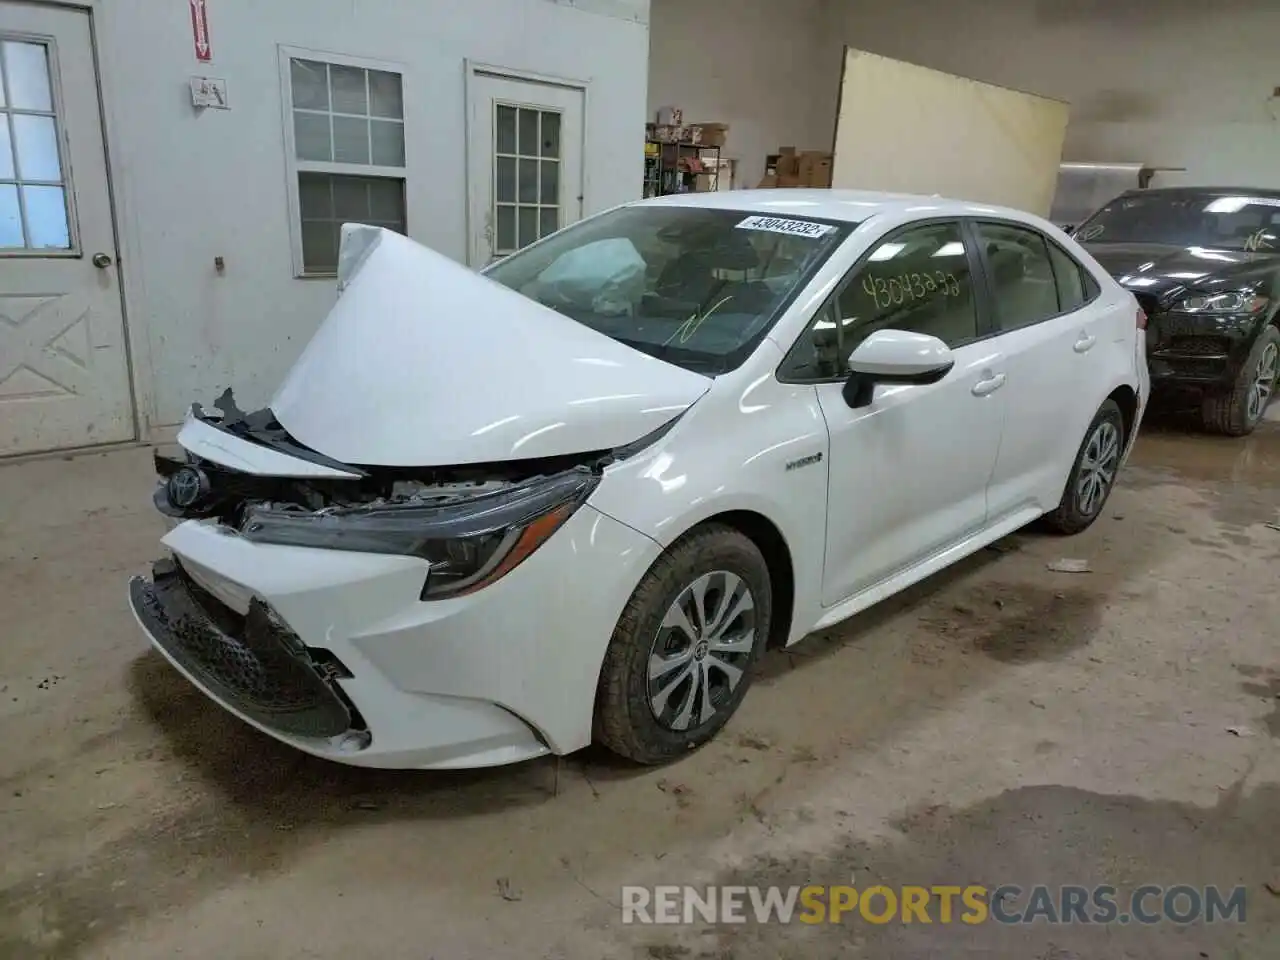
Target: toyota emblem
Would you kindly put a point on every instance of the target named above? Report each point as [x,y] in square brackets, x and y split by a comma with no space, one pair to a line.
[186,487]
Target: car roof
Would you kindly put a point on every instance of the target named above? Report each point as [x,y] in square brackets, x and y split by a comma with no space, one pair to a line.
[849,206]
[1207,191]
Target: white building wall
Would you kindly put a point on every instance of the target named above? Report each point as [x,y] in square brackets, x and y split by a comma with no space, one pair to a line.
[194,186]
[761,66]
[1182,83]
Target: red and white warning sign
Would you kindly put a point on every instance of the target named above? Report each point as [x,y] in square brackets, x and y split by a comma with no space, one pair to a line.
[200,30]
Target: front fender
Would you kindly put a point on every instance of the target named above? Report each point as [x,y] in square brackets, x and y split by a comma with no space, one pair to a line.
[763,449]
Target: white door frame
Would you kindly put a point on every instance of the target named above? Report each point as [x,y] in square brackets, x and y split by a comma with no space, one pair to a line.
[138,360]
[474,69]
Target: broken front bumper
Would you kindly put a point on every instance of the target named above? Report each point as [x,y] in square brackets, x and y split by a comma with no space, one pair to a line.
[334,652]
[253,663]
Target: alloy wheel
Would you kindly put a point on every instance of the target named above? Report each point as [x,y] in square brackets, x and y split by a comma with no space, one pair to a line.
[702,650]
[1098,467]
[1264,382]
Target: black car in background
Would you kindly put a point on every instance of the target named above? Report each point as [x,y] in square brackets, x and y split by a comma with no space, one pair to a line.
[1204,264]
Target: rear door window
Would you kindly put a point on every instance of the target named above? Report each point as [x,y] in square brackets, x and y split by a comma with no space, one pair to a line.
[1069,276]
[1021,274]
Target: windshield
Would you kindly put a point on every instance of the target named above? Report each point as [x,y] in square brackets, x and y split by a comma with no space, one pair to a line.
[1246,223]
[693,286]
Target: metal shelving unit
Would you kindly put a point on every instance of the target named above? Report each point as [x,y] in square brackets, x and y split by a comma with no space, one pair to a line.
[670,167]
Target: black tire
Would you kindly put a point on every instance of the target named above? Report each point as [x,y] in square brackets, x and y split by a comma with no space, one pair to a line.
[624,721]
[1074,512]
[1227,412]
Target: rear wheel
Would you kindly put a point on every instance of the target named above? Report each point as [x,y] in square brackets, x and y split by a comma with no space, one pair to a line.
[682,655]
[1238,410]
[1094,473]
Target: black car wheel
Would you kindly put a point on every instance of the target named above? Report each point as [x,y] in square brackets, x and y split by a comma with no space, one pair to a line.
[684,650]
[1235,412]
[1093,475]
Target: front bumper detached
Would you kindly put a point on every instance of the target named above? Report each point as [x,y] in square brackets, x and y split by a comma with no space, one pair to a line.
[253,663]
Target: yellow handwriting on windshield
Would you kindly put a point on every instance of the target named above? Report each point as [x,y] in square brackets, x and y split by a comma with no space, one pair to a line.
[687,329]
[1260,240]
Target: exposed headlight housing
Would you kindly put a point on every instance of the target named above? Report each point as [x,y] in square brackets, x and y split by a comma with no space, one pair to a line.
[468,543]
[1235,301]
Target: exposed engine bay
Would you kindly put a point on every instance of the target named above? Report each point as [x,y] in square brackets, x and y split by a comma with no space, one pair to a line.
[470,523]
[191,487]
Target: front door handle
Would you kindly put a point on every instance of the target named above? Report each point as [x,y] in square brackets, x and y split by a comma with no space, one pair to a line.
[1085,343]
[988,386]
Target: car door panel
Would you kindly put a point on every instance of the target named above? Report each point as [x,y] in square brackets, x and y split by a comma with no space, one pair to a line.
[1050,342]
[908,474]
[1040,434]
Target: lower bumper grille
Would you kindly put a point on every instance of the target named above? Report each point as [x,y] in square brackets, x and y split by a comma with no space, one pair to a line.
[253,663]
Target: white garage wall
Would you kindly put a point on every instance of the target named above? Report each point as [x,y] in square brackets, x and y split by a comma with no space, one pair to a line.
[193,186]
[760,66]
[1167,82]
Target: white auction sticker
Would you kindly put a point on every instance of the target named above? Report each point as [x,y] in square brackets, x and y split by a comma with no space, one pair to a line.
[796,228]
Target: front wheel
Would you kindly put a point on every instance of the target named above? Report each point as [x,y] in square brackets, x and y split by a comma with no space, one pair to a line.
[682,655]
[1237,411]
[1093,475]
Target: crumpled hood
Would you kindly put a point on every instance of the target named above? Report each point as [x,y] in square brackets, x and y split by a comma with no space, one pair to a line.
[423,362]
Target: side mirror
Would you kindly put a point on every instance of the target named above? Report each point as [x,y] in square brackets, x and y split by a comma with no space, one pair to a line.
[895,356]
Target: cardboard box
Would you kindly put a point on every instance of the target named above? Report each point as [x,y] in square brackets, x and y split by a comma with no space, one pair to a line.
[813,167]
[769,181]
[670,117]
[708,134]
[788,163]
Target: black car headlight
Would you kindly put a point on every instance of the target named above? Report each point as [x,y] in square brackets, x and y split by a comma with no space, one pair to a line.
[469,543]
[1231,302]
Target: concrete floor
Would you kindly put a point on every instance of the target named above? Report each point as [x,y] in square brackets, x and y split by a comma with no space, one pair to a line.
[1000,724]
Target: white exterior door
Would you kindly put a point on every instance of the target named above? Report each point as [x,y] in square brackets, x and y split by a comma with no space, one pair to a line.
[64,377]
[525,163]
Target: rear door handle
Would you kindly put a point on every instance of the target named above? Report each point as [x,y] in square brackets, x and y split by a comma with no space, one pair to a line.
[1085,343]
[988,386]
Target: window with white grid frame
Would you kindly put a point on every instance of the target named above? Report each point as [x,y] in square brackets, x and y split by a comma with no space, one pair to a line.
[348,154]
[526,175]
[33,185]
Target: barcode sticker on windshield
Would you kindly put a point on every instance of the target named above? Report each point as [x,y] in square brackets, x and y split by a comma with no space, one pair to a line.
[796,228]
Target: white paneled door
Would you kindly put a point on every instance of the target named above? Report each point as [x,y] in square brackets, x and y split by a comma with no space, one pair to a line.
[525,162]
[64,378]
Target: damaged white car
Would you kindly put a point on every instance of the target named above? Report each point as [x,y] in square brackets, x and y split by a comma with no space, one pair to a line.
[489,517]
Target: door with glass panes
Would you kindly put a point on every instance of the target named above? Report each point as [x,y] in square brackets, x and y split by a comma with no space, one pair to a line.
[525,175]
[64,374]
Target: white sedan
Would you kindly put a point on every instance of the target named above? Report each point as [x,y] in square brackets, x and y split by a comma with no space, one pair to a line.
[489,517]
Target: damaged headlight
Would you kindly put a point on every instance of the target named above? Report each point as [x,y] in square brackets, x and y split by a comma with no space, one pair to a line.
[468,543]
